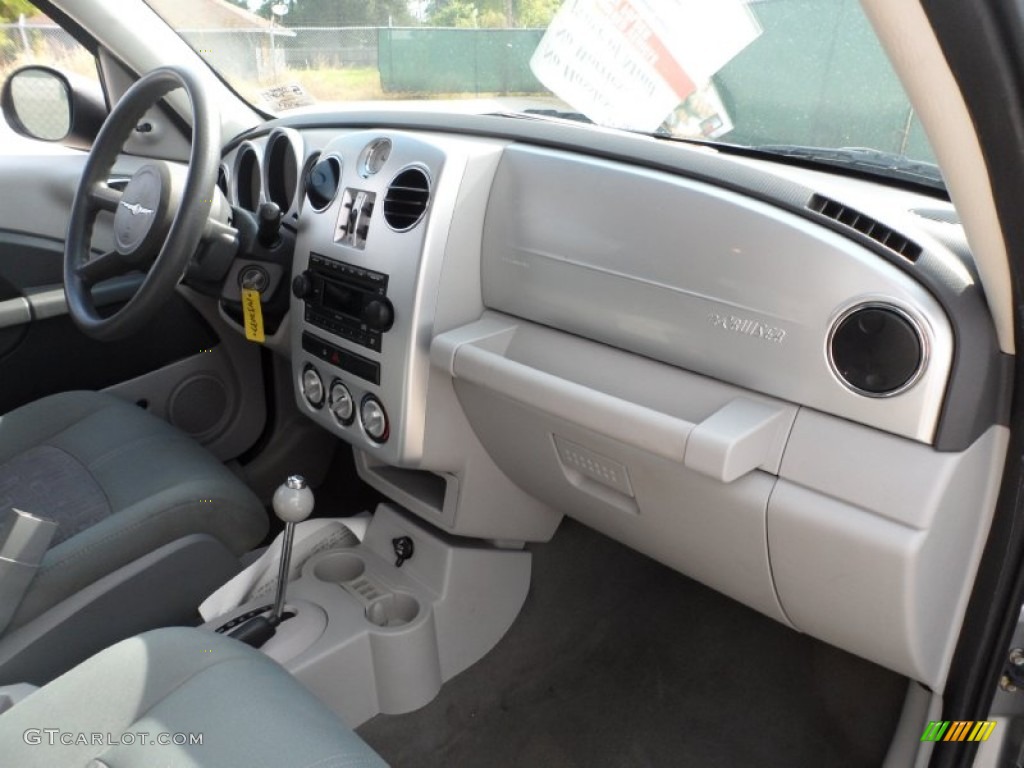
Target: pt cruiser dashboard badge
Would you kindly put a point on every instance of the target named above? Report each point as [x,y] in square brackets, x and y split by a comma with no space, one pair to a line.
[135,209]
[747,327]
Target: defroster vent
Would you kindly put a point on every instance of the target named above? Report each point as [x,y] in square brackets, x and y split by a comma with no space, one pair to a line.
[854,219]
[406,199]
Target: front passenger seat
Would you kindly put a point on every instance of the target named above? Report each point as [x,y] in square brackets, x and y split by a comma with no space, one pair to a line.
[178,685]
[120,483]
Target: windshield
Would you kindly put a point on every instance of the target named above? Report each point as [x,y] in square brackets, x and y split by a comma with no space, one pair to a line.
[804,78]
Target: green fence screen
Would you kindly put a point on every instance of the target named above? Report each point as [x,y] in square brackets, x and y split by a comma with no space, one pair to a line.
[816,75]
[457,60]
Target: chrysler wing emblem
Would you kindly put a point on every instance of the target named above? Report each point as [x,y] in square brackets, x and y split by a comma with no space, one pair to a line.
[135,209]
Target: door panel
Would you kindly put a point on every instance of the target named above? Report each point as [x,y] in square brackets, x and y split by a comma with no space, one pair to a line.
[186,365]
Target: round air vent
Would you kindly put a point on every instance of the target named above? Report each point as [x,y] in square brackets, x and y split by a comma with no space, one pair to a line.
[322,182]
[406,199]
[876,350]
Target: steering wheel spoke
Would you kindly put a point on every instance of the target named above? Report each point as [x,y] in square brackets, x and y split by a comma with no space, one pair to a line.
[103,267]
[103,197]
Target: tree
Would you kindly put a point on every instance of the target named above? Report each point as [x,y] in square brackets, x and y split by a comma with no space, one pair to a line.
[492,13]
[454,13]
[10,10]
[343,13]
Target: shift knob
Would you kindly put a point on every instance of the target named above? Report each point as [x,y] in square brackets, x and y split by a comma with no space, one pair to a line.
[293,501]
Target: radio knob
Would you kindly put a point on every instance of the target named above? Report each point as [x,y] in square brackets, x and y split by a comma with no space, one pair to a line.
[302,286]
[379,315]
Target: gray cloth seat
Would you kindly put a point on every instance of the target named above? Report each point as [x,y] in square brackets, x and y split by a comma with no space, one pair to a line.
[120,483]
[247,710]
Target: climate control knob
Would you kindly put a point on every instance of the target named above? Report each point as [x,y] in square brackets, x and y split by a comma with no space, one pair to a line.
[312,387]
[374,419]
[341,403]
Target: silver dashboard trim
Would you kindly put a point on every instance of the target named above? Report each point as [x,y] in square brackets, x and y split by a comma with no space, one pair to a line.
[679,251]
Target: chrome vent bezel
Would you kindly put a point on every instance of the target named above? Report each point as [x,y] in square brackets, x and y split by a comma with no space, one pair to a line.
[336,161]
[419,204]
[915,323]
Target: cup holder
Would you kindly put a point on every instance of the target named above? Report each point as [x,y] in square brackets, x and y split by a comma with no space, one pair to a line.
[393,610]
[339,567]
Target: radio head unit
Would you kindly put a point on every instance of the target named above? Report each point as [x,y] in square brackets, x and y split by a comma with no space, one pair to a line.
[348,301]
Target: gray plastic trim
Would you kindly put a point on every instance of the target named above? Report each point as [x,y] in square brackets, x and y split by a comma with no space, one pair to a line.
[676,465]
[888,529]
[740,436]
[26,539]
[906,750]
[369,637]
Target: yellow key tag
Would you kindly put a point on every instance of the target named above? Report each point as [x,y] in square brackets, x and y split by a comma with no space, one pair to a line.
[252,310]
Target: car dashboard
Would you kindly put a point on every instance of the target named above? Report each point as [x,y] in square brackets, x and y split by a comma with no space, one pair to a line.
[755,373]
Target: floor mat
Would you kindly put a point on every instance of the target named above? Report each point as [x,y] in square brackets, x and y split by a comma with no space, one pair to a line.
[616,660]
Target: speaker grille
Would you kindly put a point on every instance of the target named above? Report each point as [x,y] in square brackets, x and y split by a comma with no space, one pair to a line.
[199,405]
[876,350]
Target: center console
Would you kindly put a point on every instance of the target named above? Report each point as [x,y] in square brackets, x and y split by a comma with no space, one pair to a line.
[368,260]
[369,631]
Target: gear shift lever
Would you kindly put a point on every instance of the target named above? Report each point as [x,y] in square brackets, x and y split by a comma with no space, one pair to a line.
[293,503]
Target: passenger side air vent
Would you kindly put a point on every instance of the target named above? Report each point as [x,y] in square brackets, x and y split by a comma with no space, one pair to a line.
[876,349]
[406,199]
[867,226]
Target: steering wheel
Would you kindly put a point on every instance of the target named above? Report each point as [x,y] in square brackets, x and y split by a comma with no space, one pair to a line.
[157,225]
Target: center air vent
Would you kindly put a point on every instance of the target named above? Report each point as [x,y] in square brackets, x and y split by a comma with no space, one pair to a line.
[867,226]
[406,199]
[322,182]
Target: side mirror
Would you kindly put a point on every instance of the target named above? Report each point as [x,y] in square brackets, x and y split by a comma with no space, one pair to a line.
[41,103]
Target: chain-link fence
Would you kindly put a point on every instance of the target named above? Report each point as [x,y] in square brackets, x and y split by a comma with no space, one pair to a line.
[330,63]
[236,52]
[37,43]
[268,53]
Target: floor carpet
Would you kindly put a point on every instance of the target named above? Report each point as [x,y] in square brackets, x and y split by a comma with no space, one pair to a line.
[618,661]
